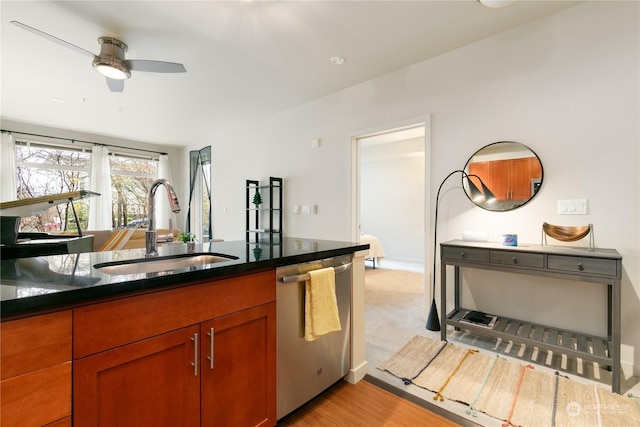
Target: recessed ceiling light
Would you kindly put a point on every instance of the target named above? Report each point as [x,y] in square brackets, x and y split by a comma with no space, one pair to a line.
[337,60]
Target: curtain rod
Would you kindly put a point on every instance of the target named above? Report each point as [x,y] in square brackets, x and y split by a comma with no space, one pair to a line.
[79,140]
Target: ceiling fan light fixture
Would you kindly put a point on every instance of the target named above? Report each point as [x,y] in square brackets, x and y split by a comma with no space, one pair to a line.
[110,63]
[111,69]
[496,4]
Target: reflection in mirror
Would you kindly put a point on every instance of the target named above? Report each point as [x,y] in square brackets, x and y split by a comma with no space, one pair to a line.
[199,215]
[512,171]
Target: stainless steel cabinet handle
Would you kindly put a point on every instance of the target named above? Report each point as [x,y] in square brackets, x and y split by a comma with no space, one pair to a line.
[210,356]
[515,260]
[462,254]
[580,266]
[195,354]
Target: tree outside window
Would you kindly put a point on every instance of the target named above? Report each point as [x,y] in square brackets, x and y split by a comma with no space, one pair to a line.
[45,170]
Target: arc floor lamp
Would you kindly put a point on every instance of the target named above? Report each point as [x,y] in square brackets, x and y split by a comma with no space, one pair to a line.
[433,322]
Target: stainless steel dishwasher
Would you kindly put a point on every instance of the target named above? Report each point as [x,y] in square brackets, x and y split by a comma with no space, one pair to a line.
[307,368]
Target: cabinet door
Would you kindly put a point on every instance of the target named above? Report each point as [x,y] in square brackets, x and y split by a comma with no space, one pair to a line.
[501,179]
[521,179]
[147,383]
[239,388]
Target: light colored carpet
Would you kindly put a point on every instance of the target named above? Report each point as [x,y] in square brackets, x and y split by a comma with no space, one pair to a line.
[517,393]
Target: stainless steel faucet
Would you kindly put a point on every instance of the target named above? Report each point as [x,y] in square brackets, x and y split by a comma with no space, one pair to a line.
[151,237]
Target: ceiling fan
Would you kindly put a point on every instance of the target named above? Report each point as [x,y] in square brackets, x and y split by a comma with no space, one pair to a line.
[110,62]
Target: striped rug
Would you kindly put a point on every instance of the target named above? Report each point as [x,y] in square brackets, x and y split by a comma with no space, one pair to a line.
[516,393]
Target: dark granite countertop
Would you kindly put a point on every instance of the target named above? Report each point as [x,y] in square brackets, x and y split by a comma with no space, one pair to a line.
[30,285]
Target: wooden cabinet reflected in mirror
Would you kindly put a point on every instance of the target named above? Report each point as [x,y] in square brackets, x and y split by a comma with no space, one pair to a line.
[512,171]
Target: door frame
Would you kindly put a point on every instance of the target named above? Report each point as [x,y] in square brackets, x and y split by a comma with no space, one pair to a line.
[354,137]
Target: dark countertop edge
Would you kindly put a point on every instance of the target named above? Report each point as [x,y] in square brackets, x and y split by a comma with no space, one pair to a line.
[47,303]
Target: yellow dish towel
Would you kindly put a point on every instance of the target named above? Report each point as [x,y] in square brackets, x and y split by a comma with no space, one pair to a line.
[320,304]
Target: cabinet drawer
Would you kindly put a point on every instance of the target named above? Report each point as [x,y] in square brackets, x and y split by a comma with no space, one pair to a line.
[583,265]
[517,259]
[37,398]
[102,326]
[465,254]
[34,343]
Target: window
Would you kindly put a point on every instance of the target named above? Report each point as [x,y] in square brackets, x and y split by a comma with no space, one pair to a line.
[44,169]
[130,181]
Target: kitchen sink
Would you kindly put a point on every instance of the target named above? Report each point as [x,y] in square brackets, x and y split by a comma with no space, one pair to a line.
[163,263]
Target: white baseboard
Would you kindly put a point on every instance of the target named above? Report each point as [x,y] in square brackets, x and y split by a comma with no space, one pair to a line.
[357,374]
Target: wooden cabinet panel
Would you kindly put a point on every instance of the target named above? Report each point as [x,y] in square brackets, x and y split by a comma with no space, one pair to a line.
[34,343]
[65,422]
[520,179]
[536,167]
[500,172]
[148,383]
[507,179]
[37,398]
[142,351]
[107,325]
[240,390]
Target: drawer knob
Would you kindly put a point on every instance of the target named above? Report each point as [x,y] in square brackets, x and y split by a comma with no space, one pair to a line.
[462,254]
[580,266]
[515,260]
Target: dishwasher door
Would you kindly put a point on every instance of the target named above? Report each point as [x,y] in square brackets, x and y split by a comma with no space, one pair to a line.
[306,369]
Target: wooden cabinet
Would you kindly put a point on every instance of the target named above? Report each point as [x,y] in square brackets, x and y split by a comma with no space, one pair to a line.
[508,179]
[150,382]
[200,355]
[239,385]
[35,386]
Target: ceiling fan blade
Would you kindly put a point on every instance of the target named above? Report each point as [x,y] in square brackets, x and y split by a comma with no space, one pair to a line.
[115,85]
[155,66]
[53,38]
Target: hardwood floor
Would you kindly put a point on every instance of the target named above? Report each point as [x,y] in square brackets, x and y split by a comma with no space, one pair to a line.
[362,404]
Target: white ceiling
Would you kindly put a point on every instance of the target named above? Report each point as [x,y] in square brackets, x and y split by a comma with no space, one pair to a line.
[244,59]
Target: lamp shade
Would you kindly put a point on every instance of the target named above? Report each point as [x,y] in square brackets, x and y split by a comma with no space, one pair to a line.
[476,194]
[489,197]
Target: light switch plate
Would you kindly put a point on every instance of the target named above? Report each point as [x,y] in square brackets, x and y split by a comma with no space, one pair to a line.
[572,207]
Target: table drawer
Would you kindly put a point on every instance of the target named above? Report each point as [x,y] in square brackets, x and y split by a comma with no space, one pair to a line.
[517,259]
[465,254]
[583,265]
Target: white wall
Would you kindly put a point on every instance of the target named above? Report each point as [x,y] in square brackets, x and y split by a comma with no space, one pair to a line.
[392,197]
[565,85]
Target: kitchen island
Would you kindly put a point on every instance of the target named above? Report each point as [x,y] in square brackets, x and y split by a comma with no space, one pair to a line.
[139,349]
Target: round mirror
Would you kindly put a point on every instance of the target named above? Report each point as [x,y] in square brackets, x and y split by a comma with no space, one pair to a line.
[510,171]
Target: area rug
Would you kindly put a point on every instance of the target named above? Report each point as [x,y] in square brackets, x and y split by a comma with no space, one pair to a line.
[518,394]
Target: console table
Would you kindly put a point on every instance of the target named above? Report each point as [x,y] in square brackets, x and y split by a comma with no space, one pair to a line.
[599,266]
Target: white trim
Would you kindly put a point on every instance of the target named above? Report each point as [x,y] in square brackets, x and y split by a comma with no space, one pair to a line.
[354,192]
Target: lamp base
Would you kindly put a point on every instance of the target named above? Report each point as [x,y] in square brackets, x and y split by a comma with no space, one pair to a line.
[433,323]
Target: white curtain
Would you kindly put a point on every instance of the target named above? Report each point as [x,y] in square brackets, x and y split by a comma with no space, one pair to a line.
[100,217]
[163,211]
[8,187]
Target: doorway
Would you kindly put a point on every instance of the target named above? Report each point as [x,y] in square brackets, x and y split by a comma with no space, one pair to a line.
[390,197]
